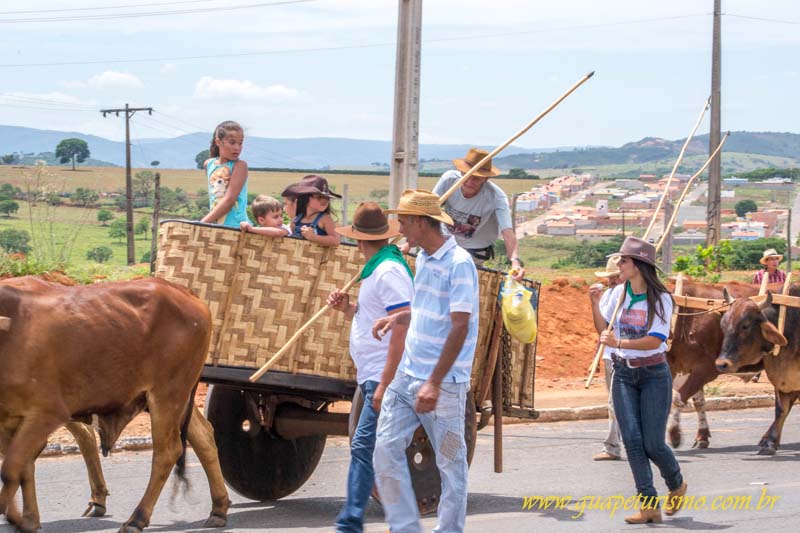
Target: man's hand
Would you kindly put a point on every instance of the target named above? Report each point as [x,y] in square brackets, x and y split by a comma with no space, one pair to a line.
[377,397]
[382,326]
[517,272]
[427,397]
[339,300]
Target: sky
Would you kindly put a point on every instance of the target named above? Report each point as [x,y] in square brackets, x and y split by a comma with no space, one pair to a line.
[326,68]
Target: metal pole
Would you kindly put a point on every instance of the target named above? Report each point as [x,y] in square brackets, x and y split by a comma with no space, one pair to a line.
[714,170]
[405,136]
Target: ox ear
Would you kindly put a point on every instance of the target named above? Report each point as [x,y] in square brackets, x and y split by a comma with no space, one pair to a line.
[728,298]
[771,334]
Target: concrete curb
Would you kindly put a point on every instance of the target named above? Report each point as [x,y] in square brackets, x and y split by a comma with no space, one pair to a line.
[724,403]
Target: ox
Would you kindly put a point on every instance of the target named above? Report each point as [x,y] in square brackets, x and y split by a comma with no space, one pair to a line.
[749,335]
[696,341]
[108,350]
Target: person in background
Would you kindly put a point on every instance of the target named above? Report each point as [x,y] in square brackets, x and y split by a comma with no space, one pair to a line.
[642,382]
[480,211]
[771,259]
[386,289]
[612,450]
[313,218]
[268,213]
[227,177]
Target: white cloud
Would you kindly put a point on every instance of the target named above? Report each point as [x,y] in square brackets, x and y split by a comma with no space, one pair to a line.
[109,79]
[166,68]
[211,88]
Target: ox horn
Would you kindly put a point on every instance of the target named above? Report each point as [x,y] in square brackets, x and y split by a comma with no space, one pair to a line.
[728,298]
[5,323]
[766,303]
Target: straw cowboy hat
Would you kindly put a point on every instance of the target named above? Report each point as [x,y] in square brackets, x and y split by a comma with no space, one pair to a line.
[370,224]
[422,204]
[473,157]
[311,184]
[611,269]
[637,248]
[770,253]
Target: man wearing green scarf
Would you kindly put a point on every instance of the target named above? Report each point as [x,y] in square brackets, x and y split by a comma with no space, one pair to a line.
[386,289]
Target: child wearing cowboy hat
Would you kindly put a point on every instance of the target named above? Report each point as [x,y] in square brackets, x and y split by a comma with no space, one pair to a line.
[771,259]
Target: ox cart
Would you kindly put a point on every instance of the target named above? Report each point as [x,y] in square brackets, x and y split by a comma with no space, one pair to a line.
[271,433]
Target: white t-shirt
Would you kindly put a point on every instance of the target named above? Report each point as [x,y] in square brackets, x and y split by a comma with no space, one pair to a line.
[389,287]
[479,220]
[631,322]
[603,299]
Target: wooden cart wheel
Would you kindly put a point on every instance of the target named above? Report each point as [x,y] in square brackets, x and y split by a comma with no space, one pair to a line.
[255,462]
[421,457]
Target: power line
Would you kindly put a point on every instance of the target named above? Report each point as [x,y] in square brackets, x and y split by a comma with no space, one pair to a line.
[76,18]
[348,47]
[106,8]
[762,19]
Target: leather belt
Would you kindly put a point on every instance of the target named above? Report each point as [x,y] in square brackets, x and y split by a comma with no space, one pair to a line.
[638,362]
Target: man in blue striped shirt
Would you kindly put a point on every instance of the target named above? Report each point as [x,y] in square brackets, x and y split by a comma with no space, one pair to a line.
[432,381]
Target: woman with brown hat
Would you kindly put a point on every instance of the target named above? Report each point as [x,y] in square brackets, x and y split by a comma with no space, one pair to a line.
[642,383]
[479,209]
[771,259]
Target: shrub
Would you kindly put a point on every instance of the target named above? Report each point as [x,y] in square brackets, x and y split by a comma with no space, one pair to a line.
[100,254]
[15,240]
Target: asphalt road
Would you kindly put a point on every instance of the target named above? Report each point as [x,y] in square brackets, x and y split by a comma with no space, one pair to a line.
[540,459]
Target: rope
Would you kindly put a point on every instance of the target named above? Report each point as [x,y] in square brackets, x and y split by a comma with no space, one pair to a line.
[703,312]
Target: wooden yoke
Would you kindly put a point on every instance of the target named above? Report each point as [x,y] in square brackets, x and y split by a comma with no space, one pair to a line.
[782,313]
[674,318]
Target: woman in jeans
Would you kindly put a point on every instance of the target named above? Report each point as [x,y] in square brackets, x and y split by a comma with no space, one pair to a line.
[642,384]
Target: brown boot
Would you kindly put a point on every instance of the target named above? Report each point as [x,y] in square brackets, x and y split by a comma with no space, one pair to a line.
[674,500]
[645,516]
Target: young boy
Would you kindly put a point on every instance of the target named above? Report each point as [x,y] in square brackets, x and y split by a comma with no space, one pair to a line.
[268,212]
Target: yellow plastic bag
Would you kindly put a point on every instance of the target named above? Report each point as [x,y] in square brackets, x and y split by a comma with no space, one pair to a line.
[518,314]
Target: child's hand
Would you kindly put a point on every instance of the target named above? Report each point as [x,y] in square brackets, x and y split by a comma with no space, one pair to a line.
[339,300]
[245,226]
[308,233]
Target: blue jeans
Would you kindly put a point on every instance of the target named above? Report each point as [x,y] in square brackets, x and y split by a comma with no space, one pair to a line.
[445,428]
[361,477]
[642,398]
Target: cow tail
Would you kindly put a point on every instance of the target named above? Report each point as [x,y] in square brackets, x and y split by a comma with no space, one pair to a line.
[180,465]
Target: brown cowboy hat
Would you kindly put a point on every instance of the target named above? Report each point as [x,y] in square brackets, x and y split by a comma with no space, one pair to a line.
[311,184]
[638,249]
[370,224]
[611,268]
[473,157]
[770,252]
[421,203]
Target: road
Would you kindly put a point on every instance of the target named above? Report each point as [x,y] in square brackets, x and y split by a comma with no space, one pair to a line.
[529,227]
[540,459]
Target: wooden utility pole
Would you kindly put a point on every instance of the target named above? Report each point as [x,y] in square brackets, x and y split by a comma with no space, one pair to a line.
[405,136]
[129,112]
[154,229]
[714,170]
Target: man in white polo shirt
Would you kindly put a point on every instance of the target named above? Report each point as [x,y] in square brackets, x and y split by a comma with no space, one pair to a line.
[432,380]
[386,289]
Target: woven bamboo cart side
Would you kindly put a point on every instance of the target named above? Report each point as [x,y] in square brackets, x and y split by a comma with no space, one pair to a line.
[270,295]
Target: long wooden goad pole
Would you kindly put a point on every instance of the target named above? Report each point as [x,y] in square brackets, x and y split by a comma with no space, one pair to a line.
[513,138]
[675,168]
[261,371]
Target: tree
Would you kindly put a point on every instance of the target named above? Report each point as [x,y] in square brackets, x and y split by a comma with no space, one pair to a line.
[72,149]
[743,207]
[10,159]
[118,229]
[103,216]
[143,186]
[517,173]
[85,197]
[100,254]
[154,164]
[142,226]
[8,206]
[201,157]
[15,240]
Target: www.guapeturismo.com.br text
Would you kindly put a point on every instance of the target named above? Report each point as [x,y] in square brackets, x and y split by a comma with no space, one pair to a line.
[612,504]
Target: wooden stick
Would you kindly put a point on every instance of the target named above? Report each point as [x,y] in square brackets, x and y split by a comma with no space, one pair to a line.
[686,190]
[497,401]
[782,313]
[297,334]
[674,319]
[602,347]
[513,138]
[674,169]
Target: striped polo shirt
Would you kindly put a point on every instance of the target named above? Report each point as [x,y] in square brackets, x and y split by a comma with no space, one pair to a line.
[445,282]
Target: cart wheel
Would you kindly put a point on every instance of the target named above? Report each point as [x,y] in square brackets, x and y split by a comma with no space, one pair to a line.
[421,457]
[256,463]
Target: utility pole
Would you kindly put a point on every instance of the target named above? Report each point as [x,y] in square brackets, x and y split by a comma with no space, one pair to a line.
[405,136]
[714,170]
[129,112]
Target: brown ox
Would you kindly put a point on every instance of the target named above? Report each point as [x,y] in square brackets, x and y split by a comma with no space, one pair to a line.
[107,350]
[696,341]
[749,334]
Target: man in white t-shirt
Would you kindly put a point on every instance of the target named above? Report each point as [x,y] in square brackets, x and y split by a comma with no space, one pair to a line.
[386,288]
[479,209]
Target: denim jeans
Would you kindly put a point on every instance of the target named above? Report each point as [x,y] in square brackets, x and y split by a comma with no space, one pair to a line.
[361,477]
[445,428]
[642,398]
